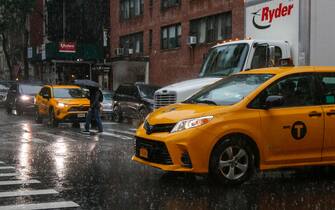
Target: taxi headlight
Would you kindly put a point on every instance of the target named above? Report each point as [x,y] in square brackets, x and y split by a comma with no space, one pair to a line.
[61,105]
[191,123]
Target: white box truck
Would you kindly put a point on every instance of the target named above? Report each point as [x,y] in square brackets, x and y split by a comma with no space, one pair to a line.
[302,31]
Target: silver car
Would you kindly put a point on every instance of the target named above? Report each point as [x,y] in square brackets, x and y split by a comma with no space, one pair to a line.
[107,104]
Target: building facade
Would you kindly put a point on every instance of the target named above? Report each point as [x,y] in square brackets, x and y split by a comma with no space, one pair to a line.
[69,40]
[165,41]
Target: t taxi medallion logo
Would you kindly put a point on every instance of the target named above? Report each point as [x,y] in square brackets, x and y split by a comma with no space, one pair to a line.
[299,130]
[264,17]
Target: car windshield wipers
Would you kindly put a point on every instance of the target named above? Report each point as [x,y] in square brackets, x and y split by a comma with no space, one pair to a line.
[205,102]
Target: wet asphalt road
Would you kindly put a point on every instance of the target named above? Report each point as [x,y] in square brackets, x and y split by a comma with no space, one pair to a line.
[62,168]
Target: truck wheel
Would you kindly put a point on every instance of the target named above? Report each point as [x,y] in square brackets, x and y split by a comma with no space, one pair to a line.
[232,161]
[38,118]
[117,114]
[52,119]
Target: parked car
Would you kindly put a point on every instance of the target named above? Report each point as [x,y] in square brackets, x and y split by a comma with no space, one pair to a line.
[61,103]
[21,97]
[107,104]
[133,101]
[3,94]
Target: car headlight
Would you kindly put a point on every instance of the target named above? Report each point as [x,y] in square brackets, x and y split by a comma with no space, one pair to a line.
[61,105]
[24,98]
[191,123]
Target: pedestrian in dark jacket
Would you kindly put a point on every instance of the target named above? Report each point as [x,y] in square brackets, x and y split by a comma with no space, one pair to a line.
[96,98]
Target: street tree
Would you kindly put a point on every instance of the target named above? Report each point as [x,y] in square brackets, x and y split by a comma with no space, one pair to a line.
[14,32]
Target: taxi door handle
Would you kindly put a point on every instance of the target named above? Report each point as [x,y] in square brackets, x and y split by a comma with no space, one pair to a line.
[331,112]
[315,114]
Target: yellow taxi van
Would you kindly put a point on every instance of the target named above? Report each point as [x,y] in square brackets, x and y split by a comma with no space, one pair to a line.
[259,119]
[61,103]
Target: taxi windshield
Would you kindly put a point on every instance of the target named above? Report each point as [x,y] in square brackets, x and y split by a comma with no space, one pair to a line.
[69,93]
[230,90]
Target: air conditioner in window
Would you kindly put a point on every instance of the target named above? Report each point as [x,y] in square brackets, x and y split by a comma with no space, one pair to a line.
[130,51]
[192,40]
[119,51]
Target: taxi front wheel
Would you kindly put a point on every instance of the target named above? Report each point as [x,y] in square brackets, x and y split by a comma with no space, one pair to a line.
[232,161]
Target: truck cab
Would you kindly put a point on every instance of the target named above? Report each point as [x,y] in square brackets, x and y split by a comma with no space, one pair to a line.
[223,60]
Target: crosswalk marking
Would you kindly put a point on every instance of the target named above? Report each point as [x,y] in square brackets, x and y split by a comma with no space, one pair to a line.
[51,205]
[6,167]
[109,123]
[19,182]
[9,174]
[123,132]
[27,192]
[117,136]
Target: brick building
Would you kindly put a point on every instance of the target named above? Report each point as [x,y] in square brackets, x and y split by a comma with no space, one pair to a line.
[149,38]
[69,40]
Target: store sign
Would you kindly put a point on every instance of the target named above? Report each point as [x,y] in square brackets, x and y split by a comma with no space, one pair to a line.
[67,47]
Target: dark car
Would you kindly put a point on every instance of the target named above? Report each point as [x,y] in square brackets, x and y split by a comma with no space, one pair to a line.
[4,87]
[133,101]
[21,97]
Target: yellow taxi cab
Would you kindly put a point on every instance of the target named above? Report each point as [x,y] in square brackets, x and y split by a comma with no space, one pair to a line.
[61,103]
[260,119]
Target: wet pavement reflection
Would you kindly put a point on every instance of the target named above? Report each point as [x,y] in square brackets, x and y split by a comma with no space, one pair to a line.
[96,172]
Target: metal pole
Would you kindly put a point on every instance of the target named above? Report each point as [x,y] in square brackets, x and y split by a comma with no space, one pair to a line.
[90,71]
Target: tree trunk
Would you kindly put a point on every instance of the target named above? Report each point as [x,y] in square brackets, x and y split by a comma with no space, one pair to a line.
[9,64]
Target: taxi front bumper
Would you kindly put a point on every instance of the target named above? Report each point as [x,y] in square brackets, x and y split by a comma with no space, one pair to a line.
[185,151]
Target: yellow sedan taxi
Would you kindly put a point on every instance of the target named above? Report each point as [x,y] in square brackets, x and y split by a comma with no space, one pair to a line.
[260,119]
[61,103]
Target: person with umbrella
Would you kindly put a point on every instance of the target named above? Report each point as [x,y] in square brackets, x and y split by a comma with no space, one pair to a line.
[95,97]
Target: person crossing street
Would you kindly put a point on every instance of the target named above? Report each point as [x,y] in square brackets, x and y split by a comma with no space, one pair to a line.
[94,112]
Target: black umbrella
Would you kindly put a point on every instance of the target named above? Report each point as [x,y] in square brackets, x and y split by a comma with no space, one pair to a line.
[86,83]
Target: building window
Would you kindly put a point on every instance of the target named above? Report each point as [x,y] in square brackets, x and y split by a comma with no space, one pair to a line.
[169,3]
[212,28]
[131,8]
[133,43]
[170,36]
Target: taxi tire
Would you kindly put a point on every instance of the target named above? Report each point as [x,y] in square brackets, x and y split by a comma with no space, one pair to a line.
[52,120]
[76,125]
[237,142]
[38,118]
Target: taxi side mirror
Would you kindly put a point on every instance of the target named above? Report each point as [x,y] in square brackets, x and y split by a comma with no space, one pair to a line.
[273,101]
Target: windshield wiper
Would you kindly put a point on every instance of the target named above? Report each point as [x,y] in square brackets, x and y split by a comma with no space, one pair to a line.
[205,102]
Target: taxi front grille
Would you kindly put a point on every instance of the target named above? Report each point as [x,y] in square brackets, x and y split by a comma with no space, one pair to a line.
[156,151]
[161,128]
[79,109]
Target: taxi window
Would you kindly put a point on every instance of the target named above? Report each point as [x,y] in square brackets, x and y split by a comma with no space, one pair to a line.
[297,90]
[328,88]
